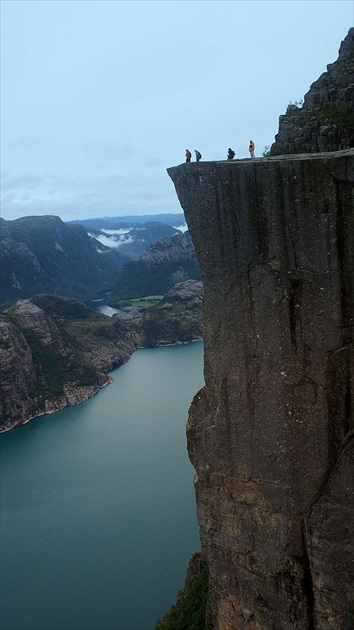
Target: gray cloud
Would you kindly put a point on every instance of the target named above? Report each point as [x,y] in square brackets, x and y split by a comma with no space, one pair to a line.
[25,180]
[95,137]
[110,152]
[72,204]
[27,143]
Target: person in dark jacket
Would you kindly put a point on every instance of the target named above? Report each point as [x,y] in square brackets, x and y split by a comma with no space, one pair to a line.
[230,154]
[188,155]
[198,155]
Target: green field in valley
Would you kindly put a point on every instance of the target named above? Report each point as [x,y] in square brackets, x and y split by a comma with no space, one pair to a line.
[142,302]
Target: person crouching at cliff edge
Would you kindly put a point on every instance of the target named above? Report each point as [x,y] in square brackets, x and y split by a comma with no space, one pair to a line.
[251,149]
[230,154]
[188,155]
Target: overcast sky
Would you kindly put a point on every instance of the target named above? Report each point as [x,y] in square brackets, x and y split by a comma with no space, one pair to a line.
[99,98]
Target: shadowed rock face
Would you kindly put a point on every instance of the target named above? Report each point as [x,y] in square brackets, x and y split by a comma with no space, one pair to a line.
[271,434]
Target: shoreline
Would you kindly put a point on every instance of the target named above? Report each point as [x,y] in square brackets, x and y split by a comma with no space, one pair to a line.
[21,423]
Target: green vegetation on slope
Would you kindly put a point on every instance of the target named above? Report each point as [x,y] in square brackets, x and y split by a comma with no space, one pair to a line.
[188,613]
[143,302]
[56,352]
[52,369]
[45,255]
[166,262]
[175,318]
[331,113]
[137,280]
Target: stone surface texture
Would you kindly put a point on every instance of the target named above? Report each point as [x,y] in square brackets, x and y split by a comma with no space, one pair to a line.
[325,122]
[271,433]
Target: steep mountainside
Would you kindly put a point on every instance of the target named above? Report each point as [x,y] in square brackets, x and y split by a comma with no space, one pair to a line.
[325,122]
[271,435]
[177,318]
[45,255]
[169,260]
[55,352]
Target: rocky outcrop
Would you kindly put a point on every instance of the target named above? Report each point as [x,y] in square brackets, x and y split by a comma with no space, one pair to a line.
[18,374]
[169,250]
[271,434]
[325,122]
[55,352]
[176,319]
[170,260]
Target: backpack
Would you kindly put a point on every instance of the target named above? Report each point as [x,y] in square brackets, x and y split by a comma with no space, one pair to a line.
[199,155]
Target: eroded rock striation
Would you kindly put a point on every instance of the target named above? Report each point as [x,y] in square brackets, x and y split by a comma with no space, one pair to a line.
[325,121]
[271,435]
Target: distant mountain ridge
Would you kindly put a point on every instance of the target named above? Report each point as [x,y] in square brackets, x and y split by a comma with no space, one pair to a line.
[131,241]
[45,255]
[42,254]
[168,261]
[174,220]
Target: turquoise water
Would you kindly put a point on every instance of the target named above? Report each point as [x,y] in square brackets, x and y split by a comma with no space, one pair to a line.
[97,502]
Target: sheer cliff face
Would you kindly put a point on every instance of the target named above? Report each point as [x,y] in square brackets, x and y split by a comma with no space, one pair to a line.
[271,434]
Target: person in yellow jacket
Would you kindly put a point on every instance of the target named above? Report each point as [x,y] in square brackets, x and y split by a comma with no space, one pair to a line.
[251,149]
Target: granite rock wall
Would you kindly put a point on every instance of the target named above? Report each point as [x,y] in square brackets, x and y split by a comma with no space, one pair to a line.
[271,433]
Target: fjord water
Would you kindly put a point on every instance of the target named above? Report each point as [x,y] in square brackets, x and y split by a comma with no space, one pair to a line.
[98,507]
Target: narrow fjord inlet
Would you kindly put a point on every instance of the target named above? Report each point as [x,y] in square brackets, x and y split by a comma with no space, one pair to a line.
[177,347]
[98,503]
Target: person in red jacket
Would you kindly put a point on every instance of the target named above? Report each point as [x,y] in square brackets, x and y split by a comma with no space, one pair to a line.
[188,155]
[251,149]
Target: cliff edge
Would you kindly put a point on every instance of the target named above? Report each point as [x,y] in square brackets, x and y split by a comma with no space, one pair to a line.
[271,435]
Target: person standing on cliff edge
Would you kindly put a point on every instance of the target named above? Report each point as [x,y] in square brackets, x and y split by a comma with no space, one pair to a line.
[251,149]
[198,155]
[188,155]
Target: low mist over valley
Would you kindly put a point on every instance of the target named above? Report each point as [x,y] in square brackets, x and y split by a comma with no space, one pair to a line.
[56,351]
